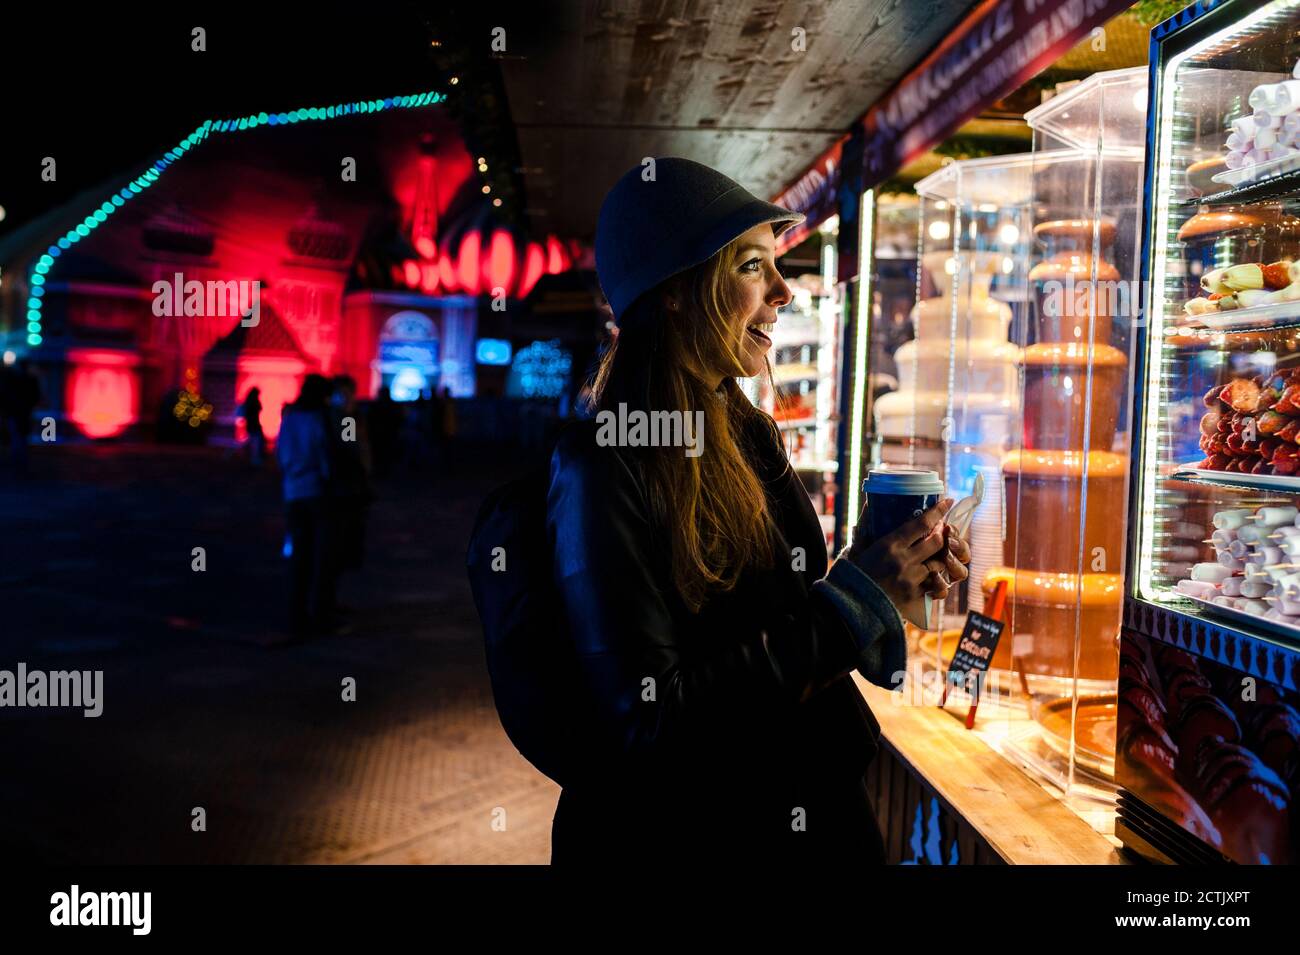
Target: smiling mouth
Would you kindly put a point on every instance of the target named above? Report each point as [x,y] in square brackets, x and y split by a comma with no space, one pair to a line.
[761,331]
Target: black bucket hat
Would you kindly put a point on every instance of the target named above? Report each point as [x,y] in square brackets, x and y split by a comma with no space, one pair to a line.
[662,219]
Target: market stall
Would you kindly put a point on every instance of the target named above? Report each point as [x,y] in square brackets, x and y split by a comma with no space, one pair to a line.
[1010,375]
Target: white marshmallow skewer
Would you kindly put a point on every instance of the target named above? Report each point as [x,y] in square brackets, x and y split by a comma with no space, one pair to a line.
[1270,556]
[1257,607]
[1225,538]
[1238,549]
[1245,125]
[1231,520]
[1267,120]
[1196,588]
[1238,143]
[1231,586]
[1256,589]
[1277,516]
[1252,533]
[1280,97]
[1213,573]
[1232,563]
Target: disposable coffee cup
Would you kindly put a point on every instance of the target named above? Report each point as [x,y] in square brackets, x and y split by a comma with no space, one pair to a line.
[896,495]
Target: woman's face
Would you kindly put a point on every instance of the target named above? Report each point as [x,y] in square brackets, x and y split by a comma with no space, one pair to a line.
[759,291]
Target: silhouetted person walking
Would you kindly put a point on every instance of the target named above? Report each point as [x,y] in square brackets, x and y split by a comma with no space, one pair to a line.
[303,449]
[251,412]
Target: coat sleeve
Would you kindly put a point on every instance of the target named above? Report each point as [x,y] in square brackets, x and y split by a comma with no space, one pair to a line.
[653,696]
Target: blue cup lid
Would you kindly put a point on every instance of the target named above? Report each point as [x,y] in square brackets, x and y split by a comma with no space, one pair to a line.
[922,481]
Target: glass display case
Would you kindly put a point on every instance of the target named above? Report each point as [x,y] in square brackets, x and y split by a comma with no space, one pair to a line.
[803,395]
[1208,753]
[881,325]
[959,377]
[1064,479]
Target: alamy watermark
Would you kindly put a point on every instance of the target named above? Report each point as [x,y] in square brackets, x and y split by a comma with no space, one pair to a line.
[57,688]
[177,297]
[654,429]
[1118,298]
[130,909]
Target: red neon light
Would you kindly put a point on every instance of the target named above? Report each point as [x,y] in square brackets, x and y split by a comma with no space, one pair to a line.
[534,267]
[101,392]
[469,256]
[500,261]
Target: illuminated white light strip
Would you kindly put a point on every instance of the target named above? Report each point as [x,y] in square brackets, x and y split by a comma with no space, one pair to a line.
[862,337]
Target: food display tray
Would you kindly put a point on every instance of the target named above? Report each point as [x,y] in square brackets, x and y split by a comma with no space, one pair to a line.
[1262,482]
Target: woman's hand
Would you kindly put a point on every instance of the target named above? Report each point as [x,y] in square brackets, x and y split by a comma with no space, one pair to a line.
[924,556]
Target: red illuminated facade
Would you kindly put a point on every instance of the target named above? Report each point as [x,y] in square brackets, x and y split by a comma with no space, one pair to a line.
[380,273]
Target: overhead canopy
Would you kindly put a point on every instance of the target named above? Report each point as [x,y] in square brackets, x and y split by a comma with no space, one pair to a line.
[737,87]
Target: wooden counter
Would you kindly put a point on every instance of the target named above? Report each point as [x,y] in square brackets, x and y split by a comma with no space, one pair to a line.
[942,795]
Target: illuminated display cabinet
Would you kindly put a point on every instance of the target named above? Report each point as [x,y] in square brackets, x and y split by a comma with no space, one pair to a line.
[1208,755]
[1064,475]
[1018,377]
[805,364]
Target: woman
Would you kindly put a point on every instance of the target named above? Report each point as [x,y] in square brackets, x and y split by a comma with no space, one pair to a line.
[715,648]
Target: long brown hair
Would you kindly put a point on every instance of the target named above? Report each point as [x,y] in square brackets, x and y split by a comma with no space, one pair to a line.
[714,505]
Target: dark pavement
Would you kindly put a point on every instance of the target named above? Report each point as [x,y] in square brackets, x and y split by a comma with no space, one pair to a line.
[202,708]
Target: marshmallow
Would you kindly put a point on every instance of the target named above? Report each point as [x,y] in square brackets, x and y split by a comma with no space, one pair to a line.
[1265,139]
[1268,554]
[1289,607]
[1277,516]
[1196,588]
[1222,539]
[1275,97]
[1255,589]
[1214,573]
[1253,533]
[1235,159]
[1231,586]
[1238,143]
[1231,520]
[1238,549]
[1232,563]
[1245,126]
[1256,607]
[1267,120]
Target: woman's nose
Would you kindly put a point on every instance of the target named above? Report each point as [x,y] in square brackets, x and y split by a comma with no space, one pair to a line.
[779,294]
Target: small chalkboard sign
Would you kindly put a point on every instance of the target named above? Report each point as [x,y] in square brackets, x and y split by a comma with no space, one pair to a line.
[975,647]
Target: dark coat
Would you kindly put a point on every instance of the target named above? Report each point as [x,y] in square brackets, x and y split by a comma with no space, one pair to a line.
[756,742]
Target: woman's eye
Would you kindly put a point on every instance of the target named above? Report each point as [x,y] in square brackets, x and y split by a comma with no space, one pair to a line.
[753,265]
